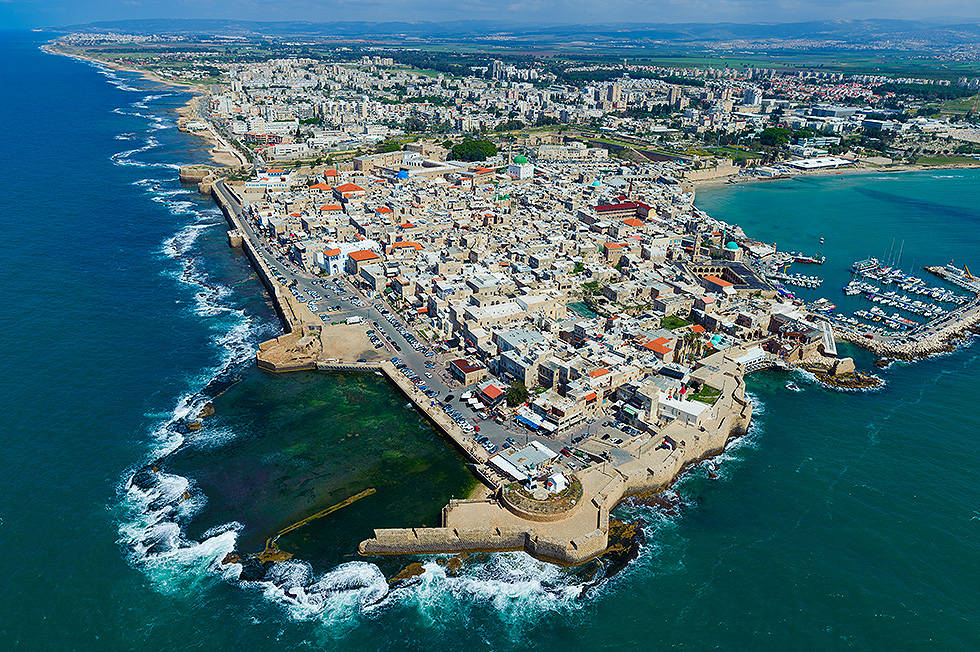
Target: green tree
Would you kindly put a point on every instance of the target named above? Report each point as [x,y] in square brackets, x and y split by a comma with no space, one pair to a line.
[775,136]
[473,150]
[516,394]
[510,125]
[386,146]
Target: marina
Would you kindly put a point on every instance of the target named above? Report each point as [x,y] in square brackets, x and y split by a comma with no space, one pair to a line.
[896,335]
[908,317]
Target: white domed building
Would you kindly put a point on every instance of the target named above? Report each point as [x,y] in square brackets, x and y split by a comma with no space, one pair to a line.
[520,169]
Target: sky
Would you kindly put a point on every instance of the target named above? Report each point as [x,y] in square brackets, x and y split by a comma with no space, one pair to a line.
[18,14]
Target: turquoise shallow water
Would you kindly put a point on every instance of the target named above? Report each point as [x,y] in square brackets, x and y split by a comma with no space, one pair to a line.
[842,521]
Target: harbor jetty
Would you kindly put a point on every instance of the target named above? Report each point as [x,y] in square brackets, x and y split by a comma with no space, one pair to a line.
[939,336]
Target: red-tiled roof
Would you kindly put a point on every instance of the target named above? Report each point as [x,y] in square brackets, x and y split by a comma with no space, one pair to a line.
[350,187]
[402,245]
[717,281]
[659,345]
[362,255]
[602,208]
[492,391]
[595,373]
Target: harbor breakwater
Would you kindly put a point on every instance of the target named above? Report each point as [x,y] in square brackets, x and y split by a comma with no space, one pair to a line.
[943,337]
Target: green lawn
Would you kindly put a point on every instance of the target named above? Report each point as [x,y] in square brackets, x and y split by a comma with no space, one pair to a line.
[741,154]
[672,322]
[706,394]
[948,160]
[961,105]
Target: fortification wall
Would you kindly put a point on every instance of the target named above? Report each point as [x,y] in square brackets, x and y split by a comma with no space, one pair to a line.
[280,302]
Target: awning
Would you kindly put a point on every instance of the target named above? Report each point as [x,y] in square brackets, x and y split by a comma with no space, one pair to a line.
[504,466]
[527,422]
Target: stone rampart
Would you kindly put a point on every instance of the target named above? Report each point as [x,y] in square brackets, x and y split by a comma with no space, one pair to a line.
[287,315]
[581,533]
[528,511]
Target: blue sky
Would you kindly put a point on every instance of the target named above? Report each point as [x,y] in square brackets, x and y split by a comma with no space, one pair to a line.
[36,13]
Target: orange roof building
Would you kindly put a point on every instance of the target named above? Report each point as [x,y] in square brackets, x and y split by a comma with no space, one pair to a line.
[363,255]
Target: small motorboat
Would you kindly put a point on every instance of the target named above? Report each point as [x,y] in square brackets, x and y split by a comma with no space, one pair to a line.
[793,387]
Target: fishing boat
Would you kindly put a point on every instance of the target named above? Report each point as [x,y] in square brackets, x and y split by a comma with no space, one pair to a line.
[793,387]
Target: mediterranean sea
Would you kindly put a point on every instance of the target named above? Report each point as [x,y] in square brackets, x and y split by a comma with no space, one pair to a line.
[841,521]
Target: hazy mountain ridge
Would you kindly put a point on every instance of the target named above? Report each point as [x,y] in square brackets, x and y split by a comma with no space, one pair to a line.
[841,31]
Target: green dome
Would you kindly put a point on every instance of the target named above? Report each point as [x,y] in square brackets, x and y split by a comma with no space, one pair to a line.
[596,183]
[731,246]
[520,159]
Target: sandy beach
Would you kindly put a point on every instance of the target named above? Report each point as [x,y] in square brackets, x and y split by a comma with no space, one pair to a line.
[221,152]
[860,168]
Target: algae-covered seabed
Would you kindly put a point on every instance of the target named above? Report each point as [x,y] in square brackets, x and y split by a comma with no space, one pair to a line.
[280,448]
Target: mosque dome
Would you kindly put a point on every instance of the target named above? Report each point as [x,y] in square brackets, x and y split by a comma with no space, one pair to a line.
[731,246]
[520,159]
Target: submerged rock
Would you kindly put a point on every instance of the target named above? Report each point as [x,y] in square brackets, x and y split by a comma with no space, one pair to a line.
[625,540]
[206,411]
[414,569]
[145,479]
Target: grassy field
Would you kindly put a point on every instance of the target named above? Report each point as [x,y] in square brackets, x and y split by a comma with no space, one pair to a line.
[948,160]
[672,322]
[960,106]
[424,73]
[740,154]
[706,394]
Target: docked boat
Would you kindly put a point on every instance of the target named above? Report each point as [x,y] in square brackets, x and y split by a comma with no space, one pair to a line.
[865,265]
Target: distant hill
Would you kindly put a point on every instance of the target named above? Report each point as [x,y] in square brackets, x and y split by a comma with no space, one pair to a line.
[878,33]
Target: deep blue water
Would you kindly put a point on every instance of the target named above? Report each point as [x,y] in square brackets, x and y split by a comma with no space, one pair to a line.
[842,521]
